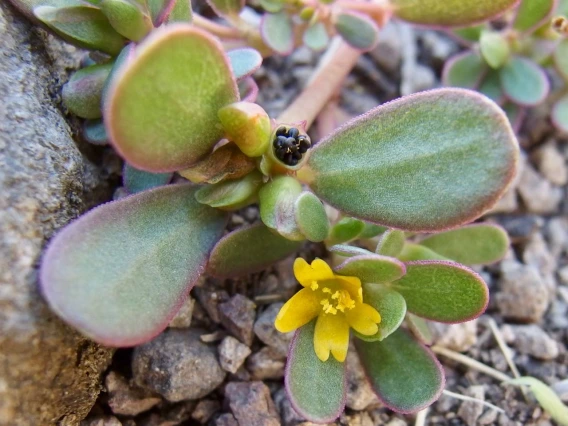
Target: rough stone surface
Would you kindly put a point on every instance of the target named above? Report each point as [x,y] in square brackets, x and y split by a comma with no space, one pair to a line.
[551,163]
[359,392]
[531,340]
[538,194]
[237,316]
[126,399]
[177,365]
[232,354]
[48,373]
[266,364]
[457,337]
[183,317]
[205,409]
[523,295]
[265,330]
[288,415]
[470,411]
[251,404]
[226,419]
[101,421]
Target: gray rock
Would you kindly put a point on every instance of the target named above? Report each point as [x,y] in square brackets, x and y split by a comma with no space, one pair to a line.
[232,354]
[538,194]
[183,317]
[523,295]
[267,333]
[226,419]
[205,409]
[441,47]
[552,164]
[457,337]
[357,419]
[359,392]
[563,274]
[169,415]
[388,52]
[101,421]
[48,372]
[557,234]
[470,411]
[251,404]
[237,316]
[531,340]
[266,364]
[177,365]
[210,299]
[537,254]
[126,399]
[289,416]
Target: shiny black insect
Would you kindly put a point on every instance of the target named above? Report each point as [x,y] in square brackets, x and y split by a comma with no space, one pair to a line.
[289,145]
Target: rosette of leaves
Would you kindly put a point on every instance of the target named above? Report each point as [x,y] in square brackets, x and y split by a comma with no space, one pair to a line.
[509,65]
[409,284]
[119,273]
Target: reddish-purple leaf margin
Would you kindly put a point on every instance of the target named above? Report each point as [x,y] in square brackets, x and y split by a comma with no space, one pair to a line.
[293,402]
[464,268]
[450,63]
[263,33]
[540,23]
[249,89]
[395,263]
[75,238]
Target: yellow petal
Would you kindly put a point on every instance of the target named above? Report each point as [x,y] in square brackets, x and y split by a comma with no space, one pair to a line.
[303,307]
[306,274]
[363,318]
[331,335]
[352,285]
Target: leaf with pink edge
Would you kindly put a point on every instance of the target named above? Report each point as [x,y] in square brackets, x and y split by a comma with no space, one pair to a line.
[464,70]
[524,82]
[316,37]
[120,272]
[442,291]
[404,374]
[477,244]
[391,243]
[169,11]
[82,94]
[161,108]
[345,230]
[430,161]
[248,89]
[372,268]
[560,114]
[249,249]
[531,14]
[226,7]
[316,389]
[244,62]
[491,87]
[277,32]
[277,200]
[311,217]
[358,30]
[449,13]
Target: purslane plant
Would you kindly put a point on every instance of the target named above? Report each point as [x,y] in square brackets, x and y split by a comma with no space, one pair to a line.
[509,65]
[174,100]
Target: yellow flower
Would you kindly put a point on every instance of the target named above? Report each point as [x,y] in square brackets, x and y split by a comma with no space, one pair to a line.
[336,301]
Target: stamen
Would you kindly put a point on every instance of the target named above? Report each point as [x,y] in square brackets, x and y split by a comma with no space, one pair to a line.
[314,286]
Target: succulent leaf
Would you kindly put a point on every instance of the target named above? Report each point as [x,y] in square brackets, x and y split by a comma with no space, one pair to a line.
[315,36]
[311,217]
[358,30]
[226,7]
[277,32]
[494,48]
[247,125]
[372,268]
[531,14]
[420,329]
[120,272]
[82,94]
[561,58]
[560,114]
[464,70]
[411,252]
[427,162]
[524,82]
[278,206]
[316,389]
[244,62]
[247,250]
[94,132]
[347,229]
[127,18]
[231,194]
[348,251]
[161,109]
[135,180]
[391,243]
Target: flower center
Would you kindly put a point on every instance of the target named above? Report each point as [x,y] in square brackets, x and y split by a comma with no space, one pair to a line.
[332,298]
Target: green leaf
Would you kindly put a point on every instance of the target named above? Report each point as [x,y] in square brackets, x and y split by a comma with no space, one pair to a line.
[231,194]
[371,230]
[181,12]
[84,25]
[471,245]
[391,243]
[276,31]
[125,55]
[161,110]
[411,252]
[524,82]
[427,162]
[349,251]
[471,34]
[442,291]
[372,268]
[127,18]
[531,14]
[138,180]
[120,272]
[561,58]
[464,70]
[494,48]
[169,11]
[345,230]
[405,375]
[226,7]
[389,304]
[420,329]
[311,217]
[272,6]
[247,124]
[278,206]
[560,114]
[83,92]
[546,397]
[248,89]
[244,61]
[358,30]
[94,132]
[247,250]
[491,86]
[449,13]
[316,37]
[315,388]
